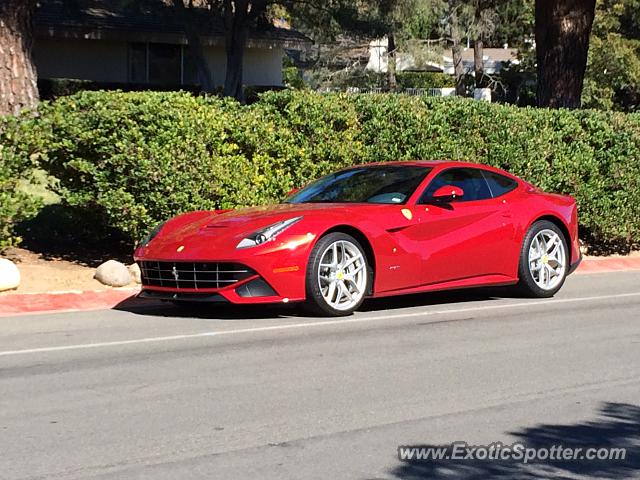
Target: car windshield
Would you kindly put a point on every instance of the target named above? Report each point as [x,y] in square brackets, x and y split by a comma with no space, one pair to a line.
[385,184]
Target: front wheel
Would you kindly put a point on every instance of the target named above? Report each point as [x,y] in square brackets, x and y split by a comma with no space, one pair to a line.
[338,276]
[544,261]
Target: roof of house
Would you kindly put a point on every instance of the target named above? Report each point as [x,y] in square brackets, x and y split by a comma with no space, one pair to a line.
[144,21]
[489,54]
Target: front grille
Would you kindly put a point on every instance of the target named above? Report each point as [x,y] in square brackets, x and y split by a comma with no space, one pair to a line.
[194,276]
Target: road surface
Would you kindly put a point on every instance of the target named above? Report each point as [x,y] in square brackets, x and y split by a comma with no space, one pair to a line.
[155,392]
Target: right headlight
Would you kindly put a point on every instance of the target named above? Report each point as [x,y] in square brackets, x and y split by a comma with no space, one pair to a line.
[268,233]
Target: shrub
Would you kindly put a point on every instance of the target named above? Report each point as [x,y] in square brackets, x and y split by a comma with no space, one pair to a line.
[138,158]
[425,80]
[16,165]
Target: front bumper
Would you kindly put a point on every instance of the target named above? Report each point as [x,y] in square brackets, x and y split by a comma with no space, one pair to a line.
[276,274]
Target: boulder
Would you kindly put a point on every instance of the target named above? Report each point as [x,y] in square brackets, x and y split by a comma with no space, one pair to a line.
[113,274]
[9,275]
[135,272]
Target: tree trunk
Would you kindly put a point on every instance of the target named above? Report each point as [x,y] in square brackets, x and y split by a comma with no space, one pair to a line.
[456,50]
[478,61]
[18,80]
[236,40]
[562,42]
[195,46]
[392,63]
[239,15]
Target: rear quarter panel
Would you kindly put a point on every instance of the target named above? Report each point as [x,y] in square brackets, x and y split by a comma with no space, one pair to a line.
[533,205]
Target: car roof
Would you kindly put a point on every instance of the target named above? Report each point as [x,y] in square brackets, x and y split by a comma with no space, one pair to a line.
[428,163]
[441,164]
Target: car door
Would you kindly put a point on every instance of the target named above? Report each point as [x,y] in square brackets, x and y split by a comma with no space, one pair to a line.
[465,237]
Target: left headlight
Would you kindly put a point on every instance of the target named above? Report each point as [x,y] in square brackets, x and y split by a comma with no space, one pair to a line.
[268,233]
[153,234]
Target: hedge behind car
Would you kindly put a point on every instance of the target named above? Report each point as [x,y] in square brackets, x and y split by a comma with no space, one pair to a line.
[139,158]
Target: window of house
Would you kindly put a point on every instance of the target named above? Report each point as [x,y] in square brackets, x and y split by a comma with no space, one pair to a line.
[161,64]
[165,64]
[138,63]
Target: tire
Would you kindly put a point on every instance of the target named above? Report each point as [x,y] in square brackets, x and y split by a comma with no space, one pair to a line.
[333,290]
[542,268]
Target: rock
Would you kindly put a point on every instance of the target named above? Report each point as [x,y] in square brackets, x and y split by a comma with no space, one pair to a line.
[135,272]
[113,274]
[9,275]
[584,248]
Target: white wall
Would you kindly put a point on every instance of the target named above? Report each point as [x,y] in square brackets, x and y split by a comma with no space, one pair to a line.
[262,66]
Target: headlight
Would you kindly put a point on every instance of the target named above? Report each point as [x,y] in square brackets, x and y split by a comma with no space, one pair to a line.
[153,234]
[267,233]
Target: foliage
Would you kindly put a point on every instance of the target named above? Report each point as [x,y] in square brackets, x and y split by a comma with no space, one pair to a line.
[138,158]
[425,80]
[516,23]
[16,164]
[613,74]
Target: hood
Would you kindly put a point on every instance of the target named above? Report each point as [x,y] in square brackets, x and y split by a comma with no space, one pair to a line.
[223,231]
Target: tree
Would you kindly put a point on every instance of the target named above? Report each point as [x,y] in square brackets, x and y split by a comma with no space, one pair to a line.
[484,23]
[18,81]
[195,45]
[612,80]
[454,32]
[516,25]
[563,28]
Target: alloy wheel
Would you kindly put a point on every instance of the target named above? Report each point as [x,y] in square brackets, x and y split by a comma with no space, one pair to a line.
[342,276]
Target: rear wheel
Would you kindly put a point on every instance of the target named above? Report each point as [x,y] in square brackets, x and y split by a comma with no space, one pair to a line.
[544,261]
[338,276]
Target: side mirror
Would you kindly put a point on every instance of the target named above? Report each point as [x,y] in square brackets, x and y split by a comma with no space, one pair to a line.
[448,193]
[292,192]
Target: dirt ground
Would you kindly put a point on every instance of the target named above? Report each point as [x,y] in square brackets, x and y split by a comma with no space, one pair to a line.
[48,275]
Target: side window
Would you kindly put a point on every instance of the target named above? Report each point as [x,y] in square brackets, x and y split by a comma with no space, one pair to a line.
[499,184]
[470,180]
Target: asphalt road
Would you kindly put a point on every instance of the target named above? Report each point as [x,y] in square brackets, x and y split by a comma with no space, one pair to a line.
[153,392]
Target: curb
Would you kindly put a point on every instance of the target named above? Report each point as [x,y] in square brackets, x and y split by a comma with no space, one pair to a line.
[608,264]
[65,302]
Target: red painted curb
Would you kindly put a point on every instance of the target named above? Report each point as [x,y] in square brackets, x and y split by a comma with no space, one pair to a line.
[608,264]
[56,302]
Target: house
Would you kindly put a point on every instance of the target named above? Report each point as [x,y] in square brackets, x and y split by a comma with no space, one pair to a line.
[494,59]
[140,46]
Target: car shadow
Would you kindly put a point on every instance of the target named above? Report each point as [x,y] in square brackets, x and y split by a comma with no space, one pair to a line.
[225,311]
[206,311]
[437,298]
[616,426]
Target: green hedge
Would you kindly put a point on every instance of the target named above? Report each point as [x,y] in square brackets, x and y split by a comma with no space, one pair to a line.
[138,158]
[16,165]
[425,80]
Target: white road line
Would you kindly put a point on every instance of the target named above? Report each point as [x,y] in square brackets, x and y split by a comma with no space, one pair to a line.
[311,324]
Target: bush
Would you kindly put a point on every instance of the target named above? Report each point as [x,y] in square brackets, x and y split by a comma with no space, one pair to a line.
[138,158]
[16,165]
[425,80]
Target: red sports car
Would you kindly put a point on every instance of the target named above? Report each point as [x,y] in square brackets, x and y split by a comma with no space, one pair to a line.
[369,231]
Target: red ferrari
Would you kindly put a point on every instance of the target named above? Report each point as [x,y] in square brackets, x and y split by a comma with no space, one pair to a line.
[369,231]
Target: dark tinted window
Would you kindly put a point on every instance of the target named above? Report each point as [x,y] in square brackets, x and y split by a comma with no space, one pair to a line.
[499,184]
[470,180]
[375,184]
